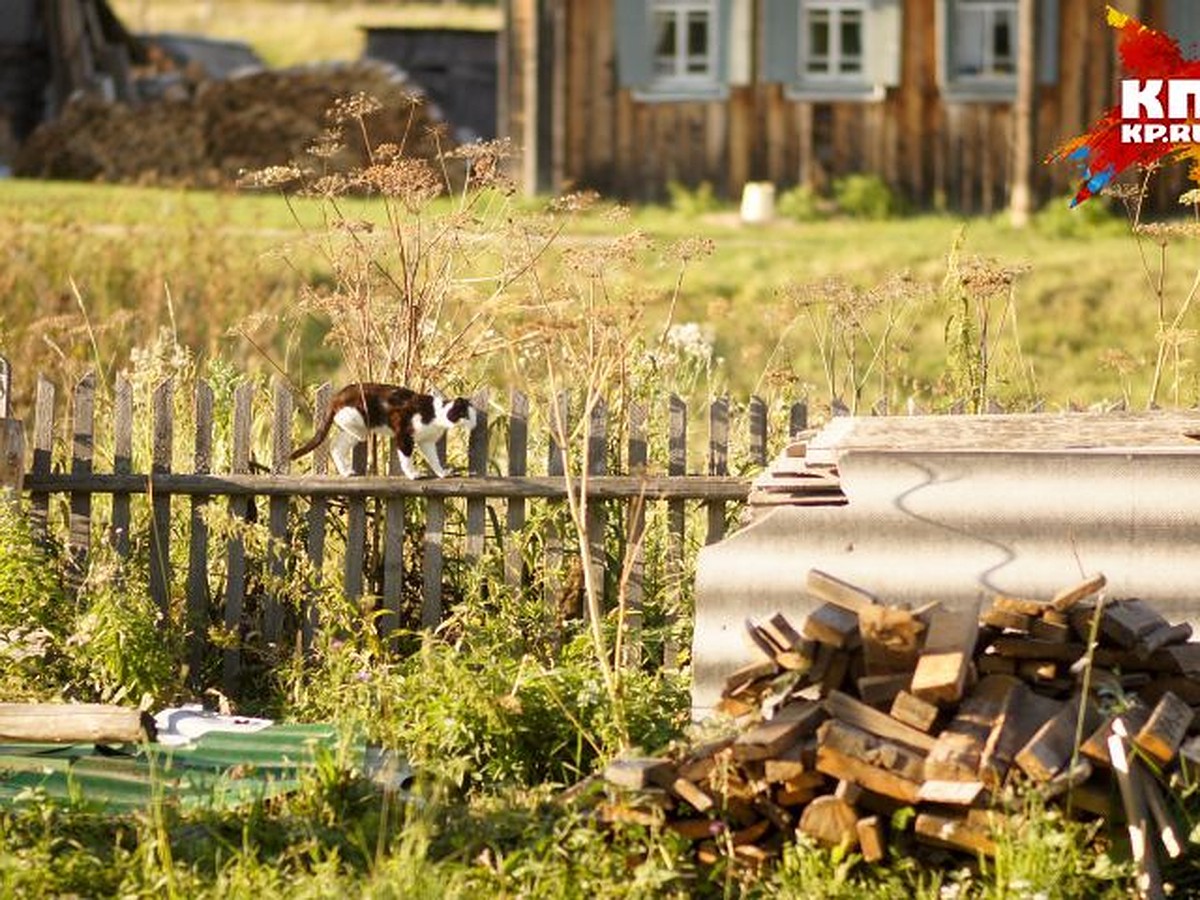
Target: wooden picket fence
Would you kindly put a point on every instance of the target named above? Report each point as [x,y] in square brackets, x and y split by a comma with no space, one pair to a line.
[162,487]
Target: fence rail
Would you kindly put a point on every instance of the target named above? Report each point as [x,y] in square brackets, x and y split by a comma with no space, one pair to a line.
[380,535]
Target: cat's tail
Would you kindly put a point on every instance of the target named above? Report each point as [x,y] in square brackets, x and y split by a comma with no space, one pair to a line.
[315,441]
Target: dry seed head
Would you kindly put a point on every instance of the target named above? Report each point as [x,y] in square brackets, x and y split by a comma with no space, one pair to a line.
[412,181]
[1162,232]
[692,248]
[1119,361]
[271,177]
[355,107]
[327,144]
[574,202]
[333,185]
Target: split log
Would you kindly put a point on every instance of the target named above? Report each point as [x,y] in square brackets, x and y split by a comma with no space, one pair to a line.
[941,673]
[68,723]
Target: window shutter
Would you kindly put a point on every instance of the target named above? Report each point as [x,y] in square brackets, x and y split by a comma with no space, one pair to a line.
[781,47]
[634,48]
[883,42]
[1047,49]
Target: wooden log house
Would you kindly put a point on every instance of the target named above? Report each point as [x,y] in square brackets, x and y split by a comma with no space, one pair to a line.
[625,96]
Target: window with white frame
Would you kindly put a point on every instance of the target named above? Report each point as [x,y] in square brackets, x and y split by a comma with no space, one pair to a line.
[684,43]
[832,40]
[983,40]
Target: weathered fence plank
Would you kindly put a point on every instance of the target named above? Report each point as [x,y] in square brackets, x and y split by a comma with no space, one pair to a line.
[552,552]
[596,519]
[518,453]
[676,523]
[393,555]
[12,438]
[43,447]
[432,563]
[630,592]
[122,462]
[239,506]
[718,464]
[83,423]
[163,439]
[477,464]
[198,599]
[281,463]
[317,511]
[5,388]
[798,420]
[756,415]
[356,530]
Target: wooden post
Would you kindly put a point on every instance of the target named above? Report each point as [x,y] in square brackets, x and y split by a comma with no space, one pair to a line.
[758,431]
[281,454]
[596,522]
[477,461]
[43,446]
[83,422]
[552,582]
[718,463]
[518,443]
[633,564]
[393,557]
[356,530]
[5,388]
[676,524]
[235,570]
[160,530]
[316,514]
[122,462]
[1024,117]
[197,579]
[12,437]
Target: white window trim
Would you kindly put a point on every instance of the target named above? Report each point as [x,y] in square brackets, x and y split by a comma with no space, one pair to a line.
[834,86]
[982,87]
[673,88]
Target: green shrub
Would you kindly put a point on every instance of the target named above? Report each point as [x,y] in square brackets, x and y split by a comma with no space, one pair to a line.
[1060,219]
[800,204]
[865,196]
[692,201]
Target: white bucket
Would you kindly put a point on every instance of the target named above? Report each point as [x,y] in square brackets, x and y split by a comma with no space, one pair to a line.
[758,202]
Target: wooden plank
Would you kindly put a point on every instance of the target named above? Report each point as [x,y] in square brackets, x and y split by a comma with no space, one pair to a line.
[122,462]
[881,690]
[954,832]
[596,517]
[757,424]
[83,423]
[281,455]
[636,773]
[432,563]
[12,458]
[961,751]
[553,560]
[198,598]
[392,596]
[767,740]
[718,464]
[317,517]
[1068,597]
[356,530]
[797,420]
[518,450]
[68,723]
[854,712]
[832,625]
[235,568]
[477,465]
[676,527]
[891,639]
[163,436]
[1165,730]
[1127,622]
[941,672]
[6,388]
[879,765]
[870,839]
[914,711]
[1053,745]
[952,793]
[831,589]
[831,822]
[1147,879]
[633,565]
[43,447]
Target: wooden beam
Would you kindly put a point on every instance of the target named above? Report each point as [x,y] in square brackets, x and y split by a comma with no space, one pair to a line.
[941,673]
[69,723]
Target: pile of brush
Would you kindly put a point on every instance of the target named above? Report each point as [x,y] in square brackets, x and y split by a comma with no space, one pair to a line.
[864,708]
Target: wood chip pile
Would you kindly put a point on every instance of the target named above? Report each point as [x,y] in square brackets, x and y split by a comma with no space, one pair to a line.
[209,137]
[863,709]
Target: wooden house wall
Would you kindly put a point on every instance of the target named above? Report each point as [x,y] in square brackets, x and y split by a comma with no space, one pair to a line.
[937,154]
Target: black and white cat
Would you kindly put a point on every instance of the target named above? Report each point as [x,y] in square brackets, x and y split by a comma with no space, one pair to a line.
[415,421]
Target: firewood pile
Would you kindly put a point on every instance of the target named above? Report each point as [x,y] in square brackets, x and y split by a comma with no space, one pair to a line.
[209,136]
[864,709]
